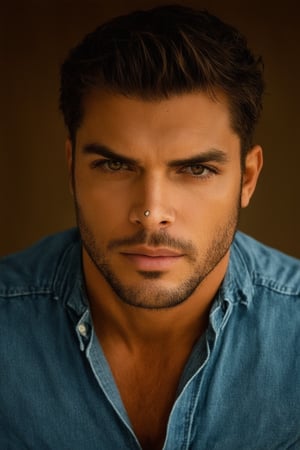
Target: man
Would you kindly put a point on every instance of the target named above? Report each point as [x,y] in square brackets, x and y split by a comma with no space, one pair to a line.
[156,324]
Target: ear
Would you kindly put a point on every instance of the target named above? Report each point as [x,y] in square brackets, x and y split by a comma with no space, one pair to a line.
[253,166]
[69,159]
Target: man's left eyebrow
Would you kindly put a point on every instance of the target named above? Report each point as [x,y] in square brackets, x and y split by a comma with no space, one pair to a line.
[211,155]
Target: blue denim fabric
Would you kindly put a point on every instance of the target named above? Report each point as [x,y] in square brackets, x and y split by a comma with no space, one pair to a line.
[239,391]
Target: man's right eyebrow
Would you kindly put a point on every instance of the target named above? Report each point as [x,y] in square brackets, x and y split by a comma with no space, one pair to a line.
[106,152]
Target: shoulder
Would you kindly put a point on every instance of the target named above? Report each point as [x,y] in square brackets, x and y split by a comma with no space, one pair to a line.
[267,266]
[34,269]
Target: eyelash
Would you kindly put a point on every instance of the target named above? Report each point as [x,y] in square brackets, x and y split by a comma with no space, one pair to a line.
[103,165]
[208,171]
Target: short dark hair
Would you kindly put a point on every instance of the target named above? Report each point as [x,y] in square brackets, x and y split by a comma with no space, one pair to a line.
[165,51]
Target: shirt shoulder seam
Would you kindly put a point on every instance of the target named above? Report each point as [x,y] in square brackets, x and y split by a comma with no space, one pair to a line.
[273,285]
[23,292]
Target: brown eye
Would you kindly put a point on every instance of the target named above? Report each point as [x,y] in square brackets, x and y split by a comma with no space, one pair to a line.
[114,165]
[110,165]
[197,169]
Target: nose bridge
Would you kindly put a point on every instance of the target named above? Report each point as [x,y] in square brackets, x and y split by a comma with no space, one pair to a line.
[154,189]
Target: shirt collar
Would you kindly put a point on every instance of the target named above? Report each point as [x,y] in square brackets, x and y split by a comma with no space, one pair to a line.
[69,282]
[237,286]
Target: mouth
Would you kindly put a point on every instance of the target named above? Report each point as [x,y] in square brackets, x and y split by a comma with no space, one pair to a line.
[152,259]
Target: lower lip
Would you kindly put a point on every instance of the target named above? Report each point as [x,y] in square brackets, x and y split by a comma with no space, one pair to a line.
[152,263]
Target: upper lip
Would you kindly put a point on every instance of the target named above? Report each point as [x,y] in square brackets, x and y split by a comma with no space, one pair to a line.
[151,251]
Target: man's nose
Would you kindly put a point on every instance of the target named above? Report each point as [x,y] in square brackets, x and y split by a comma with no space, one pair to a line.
[152,206]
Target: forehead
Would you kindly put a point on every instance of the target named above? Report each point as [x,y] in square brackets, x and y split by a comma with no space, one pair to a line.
[177,123]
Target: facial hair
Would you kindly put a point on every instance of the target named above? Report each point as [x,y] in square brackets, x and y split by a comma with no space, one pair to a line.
[149,294]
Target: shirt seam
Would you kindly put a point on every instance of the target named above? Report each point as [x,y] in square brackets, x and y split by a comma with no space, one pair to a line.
[271,284]
[25,292]
[48,288]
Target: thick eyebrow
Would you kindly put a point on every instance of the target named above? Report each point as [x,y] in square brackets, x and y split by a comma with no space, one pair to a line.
[211,155]
[106,152]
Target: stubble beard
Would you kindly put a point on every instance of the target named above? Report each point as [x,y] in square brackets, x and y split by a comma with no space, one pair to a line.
[149,294]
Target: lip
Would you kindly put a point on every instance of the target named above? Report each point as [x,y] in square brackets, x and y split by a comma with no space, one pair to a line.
[152,259]
[152,251]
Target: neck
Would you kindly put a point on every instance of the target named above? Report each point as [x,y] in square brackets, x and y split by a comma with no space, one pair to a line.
[135,327]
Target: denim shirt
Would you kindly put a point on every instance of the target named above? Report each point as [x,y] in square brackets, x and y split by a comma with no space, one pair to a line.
[240,389]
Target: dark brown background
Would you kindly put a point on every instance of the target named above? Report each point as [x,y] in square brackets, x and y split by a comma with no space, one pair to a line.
[35,37]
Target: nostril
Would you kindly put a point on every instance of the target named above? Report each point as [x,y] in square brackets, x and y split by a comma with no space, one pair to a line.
[150,218]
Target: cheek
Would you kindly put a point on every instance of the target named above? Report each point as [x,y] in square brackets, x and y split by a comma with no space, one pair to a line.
[211,213]
[102,211]
[94,196]
[213,200]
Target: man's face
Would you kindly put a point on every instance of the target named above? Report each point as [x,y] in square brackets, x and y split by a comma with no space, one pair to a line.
[177,158]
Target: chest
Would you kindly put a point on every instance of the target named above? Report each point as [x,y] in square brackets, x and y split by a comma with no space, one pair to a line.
[148,392]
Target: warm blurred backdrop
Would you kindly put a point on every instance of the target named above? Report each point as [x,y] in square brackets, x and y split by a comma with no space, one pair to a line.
[34,38]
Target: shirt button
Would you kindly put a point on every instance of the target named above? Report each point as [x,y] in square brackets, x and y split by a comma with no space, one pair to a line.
[82,329]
